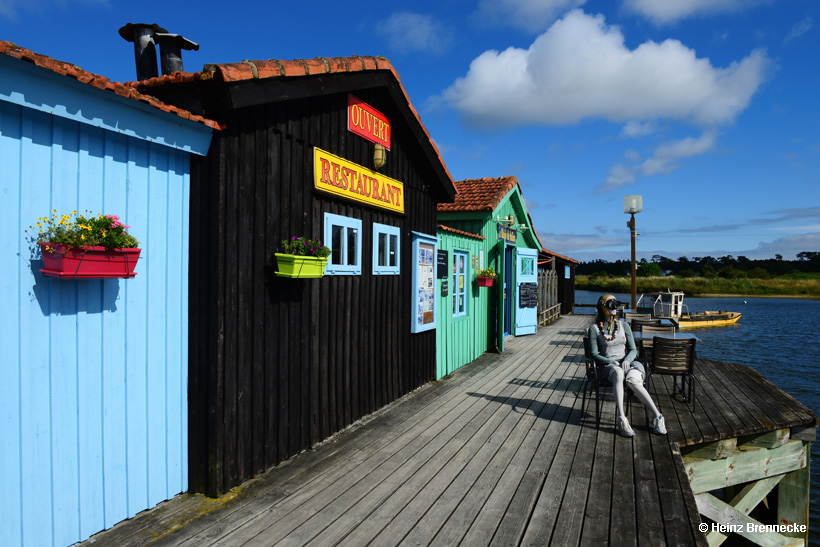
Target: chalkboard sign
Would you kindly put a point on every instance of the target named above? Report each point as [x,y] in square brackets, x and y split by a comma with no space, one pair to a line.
[528,295]
[445,288]
[441,264]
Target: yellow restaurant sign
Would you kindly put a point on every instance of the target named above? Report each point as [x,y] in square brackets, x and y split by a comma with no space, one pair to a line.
[352,181]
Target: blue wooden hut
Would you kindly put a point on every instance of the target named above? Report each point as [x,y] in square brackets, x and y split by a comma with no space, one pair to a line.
[94,420]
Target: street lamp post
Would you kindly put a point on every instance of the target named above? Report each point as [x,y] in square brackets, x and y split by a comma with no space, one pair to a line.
[632,205]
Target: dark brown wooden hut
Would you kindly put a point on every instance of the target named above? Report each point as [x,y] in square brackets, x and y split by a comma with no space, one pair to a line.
[564,267]
[277,364]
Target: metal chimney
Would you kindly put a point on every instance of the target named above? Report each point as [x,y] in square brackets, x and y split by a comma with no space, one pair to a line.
[170,50]
[145,38]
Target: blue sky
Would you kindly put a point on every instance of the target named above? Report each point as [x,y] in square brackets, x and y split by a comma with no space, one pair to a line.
[707,108]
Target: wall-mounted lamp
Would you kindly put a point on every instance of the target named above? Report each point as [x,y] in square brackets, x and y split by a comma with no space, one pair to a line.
[379,156]
[508,220]
[521,227]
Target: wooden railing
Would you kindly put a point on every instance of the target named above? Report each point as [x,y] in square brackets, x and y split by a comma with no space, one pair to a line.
[549,309]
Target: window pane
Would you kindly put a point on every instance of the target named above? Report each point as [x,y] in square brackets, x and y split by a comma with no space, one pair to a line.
[382,249]
[336,245]
[352,245]
[394,244]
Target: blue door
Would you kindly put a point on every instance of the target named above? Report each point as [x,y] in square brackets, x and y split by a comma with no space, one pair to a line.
[526,291]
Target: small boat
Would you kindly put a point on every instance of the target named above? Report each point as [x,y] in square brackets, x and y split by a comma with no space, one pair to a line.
[669,305]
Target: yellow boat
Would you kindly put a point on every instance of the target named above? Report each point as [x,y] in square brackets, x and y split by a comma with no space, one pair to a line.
[708,319]
[669,305]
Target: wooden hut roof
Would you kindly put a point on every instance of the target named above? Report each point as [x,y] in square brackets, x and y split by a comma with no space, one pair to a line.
[95,80]
[276,68]
[483,194]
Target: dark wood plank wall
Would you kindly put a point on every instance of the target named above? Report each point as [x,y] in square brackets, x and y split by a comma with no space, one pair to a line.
[566,287]
[276,364]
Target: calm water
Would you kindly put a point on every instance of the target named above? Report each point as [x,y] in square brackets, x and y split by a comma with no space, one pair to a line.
[772,338]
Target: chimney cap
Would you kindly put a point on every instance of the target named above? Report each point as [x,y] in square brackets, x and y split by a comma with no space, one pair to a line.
[180,41]
[127,31]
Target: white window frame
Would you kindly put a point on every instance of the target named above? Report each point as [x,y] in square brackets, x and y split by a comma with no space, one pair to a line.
[387,231]
[346,223]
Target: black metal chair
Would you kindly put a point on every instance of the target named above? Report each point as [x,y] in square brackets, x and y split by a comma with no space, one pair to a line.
[647,334]
[675,357]
[598,383]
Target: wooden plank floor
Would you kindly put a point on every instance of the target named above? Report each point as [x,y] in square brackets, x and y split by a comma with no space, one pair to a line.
[499,453]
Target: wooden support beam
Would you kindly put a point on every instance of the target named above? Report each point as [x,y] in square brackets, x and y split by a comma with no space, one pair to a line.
[804,433]
[717,450]
[747,499]
[771,439]
[730,520]
[745,466]
[793,499]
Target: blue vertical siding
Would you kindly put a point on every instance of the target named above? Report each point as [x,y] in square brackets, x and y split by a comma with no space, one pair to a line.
[94,372]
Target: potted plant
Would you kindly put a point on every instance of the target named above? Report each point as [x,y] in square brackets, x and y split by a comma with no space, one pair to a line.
[302,258]
[83,246]
[486,277]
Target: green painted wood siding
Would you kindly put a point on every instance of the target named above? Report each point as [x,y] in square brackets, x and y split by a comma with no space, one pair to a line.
[461,340]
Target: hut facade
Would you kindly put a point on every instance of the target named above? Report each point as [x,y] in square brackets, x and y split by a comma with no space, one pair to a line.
[278,364]
[94,420]
[564,268]
[487,226]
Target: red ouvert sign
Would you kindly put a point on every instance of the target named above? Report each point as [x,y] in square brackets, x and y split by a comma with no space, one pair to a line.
[367,122]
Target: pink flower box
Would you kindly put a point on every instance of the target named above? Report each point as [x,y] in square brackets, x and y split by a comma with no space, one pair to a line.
[88,262]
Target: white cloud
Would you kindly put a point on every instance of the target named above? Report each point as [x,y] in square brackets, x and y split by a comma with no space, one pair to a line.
[573,242]
[410,32]
[580,68]
[11,9]
[637,129]
[669,11]
[787,246]
[529,15]
[664,160]
[666,155]
[800,29]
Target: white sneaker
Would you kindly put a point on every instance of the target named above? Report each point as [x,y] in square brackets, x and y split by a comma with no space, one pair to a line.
[624,428]
[660,425]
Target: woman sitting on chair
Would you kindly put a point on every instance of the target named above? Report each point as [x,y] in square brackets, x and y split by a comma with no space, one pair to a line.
[613,349]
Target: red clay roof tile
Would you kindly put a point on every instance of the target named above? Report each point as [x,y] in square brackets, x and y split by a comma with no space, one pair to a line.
[483,194]
[95,80]
[460,232]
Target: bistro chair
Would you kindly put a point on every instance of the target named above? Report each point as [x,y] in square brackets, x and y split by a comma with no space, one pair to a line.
[629,316]
[647,332]
[675,357]
[598,383]
[637,324]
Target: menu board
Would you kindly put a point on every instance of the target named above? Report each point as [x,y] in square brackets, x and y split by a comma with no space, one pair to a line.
[441,264]
[528,295]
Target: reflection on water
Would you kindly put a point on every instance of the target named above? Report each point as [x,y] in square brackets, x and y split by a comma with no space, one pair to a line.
[775,338]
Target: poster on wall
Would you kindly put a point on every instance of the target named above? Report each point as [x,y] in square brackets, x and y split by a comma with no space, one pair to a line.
[424,282]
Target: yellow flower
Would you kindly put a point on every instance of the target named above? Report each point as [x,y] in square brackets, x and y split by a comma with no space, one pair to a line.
[82,236]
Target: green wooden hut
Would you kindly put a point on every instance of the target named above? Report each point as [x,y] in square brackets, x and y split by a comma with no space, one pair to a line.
[487,226]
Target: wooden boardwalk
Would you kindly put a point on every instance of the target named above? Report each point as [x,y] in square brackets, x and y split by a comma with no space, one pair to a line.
[499,453]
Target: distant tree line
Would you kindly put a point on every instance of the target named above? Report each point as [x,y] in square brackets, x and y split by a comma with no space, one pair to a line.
[728,266]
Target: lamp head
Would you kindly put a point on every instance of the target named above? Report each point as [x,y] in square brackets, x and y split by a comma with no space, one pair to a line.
[633,204]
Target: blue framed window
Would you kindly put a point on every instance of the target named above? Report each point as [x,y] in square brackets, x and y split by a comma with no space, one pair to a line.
[386,249]
[423,292]
[459,283]
[343,236]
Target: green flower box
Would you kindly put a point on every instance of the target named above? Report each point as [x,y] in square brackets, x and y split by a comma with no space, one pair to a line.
[302,267]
